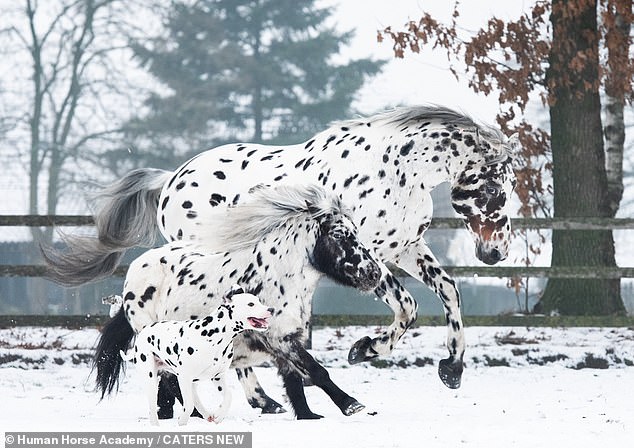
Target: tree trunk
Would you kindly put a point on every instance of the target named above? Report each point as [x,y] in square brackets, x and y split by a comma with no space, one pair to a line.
[579,177]
[618,19]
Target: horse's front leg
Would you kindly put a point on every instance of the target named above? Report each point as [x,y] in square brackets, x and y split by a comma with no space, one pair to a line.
[421,263]
[304,362]
[404,307]
[255,394]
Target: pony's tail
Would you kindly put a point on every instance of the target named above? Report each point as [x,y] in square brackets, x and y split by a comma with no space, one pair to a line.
[116,337]
[125,217]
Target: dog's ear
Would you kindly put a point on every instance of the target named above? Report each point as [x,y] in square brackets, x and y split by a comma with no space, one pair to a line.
[235,289]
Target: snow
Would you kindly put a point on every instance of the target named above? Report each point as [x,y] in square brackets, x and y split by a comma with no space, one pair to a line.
[522,387]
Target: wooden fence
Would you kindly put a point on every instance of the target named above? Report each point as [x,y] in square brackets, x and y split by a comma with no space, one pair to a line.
[437,223]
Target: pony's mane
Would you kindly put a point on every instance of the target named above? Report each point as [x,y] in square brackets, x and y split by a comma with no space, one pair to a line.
[403,116]
[266,210]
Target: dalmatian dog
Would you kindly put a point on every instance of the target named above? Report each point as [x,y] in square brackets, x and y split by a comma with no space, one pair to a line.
[197,350]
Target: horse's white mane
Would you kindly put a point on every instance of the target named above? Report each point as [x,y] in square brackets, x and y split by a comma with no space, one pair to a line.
[403,116]
[266,210]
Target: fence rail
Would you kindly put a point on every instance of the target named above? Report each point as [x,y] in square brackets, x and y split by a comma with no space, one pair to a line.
[589,223]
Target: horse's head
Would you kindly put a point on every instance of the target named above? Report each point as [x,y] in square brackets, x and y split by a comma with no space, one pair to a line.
[339,254]
[481,195]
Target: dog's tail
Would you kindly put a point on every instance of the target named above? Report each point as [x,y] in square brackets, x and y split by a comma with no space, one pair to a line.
[125,217]
[116,337]
[125,356]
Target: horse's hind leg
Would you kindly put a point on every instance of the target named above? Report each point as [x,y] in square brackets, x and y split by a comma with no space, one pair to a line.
[321,378]
[256,396]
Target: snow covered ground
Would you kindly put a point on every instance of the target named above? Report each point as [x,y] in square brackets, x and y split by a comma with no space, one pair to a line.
[522,387]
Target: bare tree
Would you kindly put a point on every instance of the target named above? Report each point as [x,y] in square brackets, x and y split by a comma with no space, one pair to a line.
[68,92]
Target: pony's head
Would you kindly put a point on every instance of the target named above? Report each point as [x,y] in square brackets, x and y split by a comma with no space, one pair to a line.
[311,220]
[339,254]
[481,194]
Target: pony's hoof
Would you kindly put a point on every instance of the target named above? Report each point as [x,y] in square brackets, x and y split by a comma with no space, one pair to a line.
[165,413]
[359,351]
[273,407]
[309,416]
[450,372]
[353,408]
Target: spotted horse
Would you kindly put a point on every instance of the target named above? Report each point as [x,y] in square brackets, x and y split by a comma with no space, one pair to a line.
[383,166]
[276,246]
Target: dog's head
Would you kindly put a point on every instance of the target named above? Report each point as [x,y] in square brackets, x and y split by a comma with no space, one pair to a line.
[247,309]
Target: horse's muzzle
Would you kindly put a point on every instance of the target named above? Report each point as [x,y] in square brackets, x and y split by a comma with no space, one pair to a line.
[489,256]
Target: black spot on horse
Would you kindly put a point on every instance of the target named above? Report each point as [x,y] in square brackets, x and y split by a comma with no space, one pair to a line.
[406,148]
[216,199]
[220,175]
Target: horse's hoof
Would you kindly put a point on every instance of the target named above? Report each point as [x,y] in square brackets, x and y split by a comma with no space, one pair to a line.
[273,407]
[309,416]
[165,413]
[359,351]
[450,372]
[195,413]
[353,408]
[267,405]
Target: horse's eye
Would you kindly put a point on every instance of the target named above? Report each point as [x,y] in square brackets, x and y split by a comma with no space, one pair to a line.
[492,190]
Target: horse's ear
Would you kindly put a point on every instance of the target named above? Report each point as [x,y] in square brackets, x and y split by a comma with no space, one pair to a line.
[311,208]
[514,142]
[235,289]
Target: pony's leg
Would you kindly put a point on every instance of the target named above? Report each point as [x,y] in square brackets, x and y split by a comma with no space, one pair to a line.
[317,373]
[168,391]
[256,396]
[294,386]
[404,307]
[421,263]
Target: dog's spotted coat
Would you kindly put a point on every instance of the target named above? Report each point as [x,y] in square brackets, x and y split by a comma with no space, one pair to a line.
[196,350]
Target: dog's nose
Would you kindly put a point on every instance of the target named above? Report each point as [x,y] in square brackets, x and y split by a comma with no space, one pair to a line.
[271,310]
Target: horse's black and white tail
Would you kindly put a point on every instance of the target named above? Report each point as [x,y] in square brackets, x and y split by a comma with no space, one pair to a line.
[125,217]
[116,337]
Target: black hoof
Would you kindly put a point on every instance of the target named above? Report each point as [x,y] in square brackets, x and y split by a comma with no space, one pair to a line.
[353,408]
[195,413]
[309,416]
[165,413]
[450,372]
[359,351]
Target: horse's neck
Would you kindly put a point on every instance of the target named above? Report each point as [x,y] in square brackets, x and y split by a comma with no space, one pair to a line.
[391,149]
[293,245]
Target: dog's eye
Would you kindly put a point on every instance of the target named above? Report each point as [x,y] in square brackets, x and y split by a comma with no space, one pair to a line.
[251,304]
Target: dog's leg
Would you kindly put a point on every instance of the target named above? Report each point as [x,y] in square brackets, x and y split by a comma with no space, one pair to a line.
[187,391]
[152,383]
[223,409]
[199,404]
[256,396]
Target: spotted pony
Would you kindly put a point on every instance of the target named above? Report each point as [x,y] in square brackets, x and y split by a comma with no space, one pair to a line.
[276,245]
[384,167]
